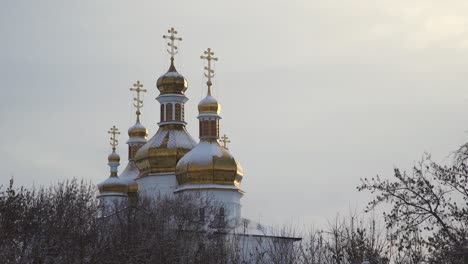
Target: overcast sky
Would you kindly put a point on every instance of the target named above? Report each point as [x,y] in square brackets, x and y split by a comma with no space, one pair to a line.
[315,94]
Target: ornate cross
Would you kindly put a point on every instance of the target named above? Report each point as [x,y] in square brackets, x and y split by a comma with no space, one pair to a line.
[209,72]
[114,132]
[225,141]
[173,51]
[138,101]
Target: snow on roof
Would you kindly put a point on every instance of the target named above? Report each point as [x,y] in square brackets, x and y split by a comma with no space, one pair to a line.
[111,180]
[130,173]
[208,100]
[177,139]
[207,186]
[203,153]
[172,74]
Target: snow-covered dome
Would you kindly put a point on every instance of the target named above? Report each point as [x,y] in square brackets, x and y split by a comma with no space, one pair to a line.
[113,183]
[172,82]
[138,131]
[113,157]
[162,152]
[209,105]
[209,163]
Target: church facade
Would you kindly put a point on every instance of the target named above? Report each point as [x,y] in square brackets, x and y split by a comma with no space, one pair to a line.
[172,162]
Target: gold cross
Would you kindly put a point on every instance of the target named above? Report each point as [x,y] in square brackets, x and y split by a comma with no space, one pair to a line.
[209,72]
[138,101]
[173,51]
[225,141]
[114,132]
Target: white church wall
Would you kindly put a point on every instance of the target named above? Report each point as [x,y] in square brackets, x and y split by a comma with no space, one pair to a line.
[110,202]
[229,199]
[157,185]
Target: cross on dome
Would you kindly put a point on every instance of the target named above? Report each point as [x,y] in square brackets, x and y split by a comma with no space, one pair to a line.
[225,141]
[209,71]
[138,101]
[173,51]
[114,132]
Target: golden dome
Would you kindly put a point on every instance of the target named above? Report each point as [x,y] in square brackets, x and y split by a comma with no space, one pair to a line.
[113,157]
[172,82]
[209,163]
[209,105]
[162,152]
[137,130]
[113,184]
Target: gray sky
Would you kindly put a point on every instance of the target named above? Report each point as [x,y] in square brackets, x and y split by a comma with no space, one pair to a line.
[315,94]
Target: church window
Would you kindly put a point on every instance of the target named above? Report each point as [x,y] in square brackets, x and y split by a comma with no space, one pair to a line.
[177,112]
[205,128]
[213,128]
[162,112]
[168,112]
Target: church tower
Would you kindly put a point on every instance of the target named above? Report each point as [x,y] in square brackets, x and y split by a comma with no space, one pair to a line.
[137,138]
[113,191]
[209,169]
[157,159]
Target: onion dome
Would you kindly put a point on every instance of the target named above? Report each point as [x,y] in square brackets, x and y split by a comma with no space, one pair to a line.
[209,163]
[209,105]
[172,82]
[113,184]
[138,131]
[113,158]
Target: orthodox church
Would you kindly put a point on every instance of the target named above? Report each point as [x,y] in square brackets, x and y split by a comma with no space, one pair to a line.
[171,162]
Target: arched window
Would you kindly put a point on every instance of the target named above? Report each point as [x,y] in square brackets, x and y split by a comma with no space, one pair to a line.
[200,128]
[168,112]
[205,127]
[162,112]
[177,112]
[213,128]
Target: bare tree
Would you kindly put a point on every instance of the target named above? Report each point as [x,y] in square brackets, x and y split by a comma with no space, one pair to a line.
[430,204]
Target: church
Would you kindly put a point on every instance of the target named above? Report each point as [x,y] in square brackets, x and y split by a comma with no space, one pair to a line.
[172,162]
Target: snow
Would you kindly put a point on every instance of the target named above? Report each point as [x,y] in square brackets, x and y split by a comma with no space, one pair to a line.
[206,186]
[208,100]
[172,74]
[202,154]
[111,180]
[130,173]
[136,126]
[177,139]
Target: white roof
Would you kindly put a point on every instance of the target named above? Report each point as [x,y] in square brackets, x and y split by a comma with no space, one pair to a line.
[203,153]
[177,139]
[130,173]
[208,100]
